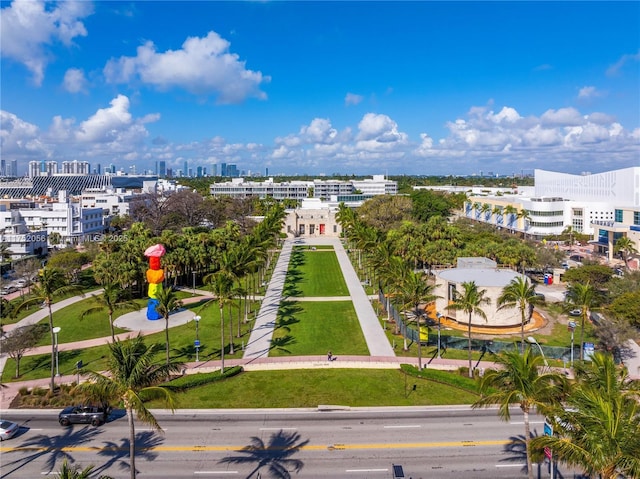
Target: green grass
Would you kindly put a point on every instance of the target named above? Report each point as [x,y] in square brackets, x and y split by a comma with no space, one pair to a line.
[310,388]
[312,328]
[314,273]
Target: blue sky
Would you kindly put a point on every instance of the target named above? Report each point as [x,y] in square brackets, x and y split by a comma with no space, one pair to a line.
[323,87]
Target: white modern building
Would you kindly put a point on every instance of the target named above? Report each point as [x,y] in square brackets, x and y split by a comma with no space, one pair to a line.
[560,200]
[314,218]
[377,185]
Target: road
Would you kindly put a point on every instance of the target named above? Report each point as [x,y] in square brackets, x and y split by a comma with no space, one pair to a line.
[436,442]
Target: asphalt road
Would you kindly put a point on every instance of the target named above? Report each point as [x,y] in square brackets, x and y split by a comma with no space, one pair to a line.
[441,442]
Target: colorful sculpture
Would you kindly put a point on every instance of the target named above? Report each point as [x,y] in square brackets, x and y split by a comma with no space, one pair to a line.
[155,277]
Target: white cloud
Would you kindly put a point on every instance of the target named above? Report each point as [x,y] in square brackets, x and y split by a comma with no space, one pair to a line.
[29,27]
[18,137]
[614,69]
[75,81]
[379,128]
[203,66]
[353,99]
[588,92]
[562,116]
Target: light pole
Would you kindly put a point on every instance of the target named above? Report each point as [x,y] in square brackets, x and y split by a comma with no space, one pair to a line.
[439,316]
[196,343]
[572,327]
[56,330]
[532,340]
[194,283]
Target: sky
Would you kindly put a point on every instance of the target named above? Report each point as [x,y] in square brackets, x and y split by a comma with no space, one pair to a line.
[323,88]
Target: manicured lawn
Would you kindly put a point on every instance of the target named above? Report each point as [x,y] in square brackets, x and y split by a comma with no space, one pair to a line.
[181,340]
[314,273]
[310,388]
[311,328]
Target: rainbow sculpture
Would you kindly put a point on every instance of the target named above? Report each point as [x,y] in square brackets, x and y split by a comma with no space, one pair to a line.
[155,277]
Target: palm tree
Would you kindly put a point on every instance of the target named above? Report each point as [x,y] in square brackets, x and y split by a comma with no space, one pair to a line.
[415,290]
[132,378]
[518,379]
[74,472]
[598,430]
[512,213]
[51,285]
[585,298]
[627,247]
[222,285]
[469,301]
[113,298]
[521,294]
[168,302]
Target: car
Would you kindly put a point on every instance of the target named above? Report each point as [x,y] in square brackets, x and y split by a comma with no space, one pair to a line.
[94,415]
[540,296]
[8,429]
[575,312]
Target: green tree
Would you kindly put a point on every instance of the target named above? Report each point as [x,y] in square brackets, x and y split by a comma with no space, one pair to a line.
[598,429]
[596,274]
[222,285]
[626,247]
[521,294]
[132,378]
[470,300]
[113,298]
[518,380]
[415,290]
[51,285]
[76,472]
[627,307]
[585,298]
[168,302]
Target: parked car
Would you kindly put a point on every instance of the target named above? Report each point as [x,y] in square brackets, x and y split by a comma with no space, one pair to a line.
[94,415]
[8,429]
[575,312]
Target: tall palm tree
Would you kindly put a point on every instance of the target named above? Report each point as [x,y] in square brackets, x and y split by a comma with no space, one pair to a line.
[585,298]
[518,379]
[132,378]
[51,285]
[598,429]
[470,301]
[416,290]
[112,298]
[222,284]
[521,294]
[75,472]
[168,302]
[627,247]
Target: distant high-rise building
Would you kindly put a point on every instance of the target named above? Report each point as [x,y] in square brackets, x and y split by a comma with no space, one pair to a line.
[169,173]
[204,171]
[223,169]
[199,171]
[214,169]
[14,168]
[232,171]
[185,170]
[161,168]
[3,168]
[34,169]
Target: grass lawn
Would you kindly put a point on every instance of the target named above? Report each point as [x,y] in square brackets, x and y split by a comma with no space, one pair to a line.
[312,328]
[181,340]
[314,273]
[310,388]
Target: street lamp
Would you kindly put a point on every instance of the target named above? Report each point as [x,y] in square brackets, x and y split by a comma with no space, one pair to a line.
[572,327]
[532,340]
[196,343]
[194,283]
[439,316]
[56,330]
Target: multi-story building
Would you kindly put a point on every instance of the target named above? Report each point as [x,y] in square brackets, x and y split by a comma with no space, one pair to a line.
[559,200]
[626,223]
[313,218]
[238,188]
[325,189]
[378,185]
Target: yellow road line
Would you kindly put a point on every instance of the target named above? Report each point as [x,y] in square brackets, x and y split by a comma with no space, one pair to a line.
[331,447]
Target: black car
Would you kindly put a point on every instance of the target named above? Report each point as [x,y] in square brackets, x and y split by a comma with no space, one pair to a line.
[94,415]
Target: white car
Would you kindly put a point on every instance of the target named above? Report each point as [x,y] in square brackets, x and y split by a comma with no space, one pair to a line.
[8,429]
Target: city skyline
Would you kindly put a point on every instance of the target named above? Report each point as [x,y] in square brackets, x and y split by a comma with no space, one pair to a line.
[323,87]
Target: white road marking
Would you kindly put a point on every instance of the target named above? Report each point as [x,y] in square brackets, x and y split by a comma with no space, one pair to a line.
[278,428]
[366,470]
[402,427]
[215,472]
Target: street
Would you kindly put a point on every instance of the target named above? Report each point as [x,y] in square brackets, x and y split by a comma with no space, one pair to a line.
[442,442]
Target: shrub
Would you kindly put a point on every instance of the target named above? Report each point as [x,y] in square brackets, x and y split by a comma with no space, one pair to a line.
[200,379]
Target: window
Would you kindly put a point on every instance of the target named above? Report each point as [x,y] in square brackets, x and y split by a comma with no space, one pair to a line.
[301,229]
[619,216]
[636,217]
[312,229]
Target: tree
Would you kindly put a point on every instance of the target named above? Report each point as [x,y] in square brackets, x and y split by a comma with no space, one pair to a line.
[627,307]
[596,274]
[583,297]
[168,302]
[75,472]
[112,298]
[221,284]
[469,301]
[20,340]
[5,252]
[626,247]
[51,285]
[518,379]
[598,429]
[521,294]
[512,214]
[426,204]
[132,378]
[416,290]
